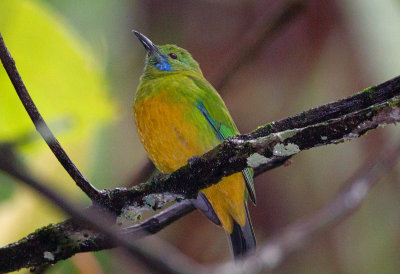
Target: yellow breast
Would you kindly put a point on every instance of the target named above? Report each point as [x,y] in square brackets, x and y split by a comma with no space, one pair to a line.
[168,136]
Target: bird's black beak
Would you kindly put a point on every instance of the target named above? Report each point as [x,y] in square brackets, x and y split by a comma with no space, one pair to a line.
[154,55]
[148,45]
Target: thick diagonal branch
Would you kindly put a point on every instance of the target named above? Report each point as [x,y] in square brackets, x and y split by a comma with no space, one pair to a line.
[265,148]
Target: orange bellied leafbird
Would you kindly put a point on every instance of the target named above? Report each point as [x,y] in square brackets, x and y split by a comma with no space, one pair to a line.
[180,115]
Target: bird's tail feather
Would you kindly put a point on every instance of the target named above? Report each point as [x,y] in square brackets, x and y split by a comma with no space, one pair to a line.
[242,239]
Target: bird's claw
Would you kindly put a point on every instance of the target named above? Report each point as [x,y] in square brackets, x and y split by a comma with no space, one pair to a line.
[191,160]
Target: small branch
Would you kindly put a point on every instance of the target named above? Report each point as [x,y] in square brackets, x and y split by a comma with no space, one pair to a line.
[68,238]
[161,220]
[51,247]
[296,235]
[16,256]
[42,127]
[94,220]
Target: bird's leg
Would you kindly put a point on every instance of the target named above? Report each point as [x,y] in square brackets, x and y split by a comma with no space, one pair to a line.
[191,160]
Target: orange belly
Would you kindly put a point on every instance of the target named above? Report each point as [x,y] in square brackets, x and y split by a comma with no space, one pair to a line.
[170,137]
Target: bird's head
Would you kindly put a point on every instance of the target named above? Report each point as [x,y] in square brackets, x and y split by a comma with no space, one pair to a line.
[166,58]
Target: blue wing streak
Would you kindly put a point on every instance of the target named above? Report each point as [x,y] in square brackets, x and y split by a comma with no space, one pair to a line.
[222,134]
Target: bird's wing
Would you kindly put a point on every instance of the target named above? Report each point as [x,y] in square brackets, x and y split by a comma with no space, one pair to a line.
[221,122]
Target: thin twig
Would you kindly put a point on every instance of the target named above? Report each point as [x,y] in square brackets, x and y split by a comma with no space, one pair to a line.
[162,219]
[346,202]
[41,126]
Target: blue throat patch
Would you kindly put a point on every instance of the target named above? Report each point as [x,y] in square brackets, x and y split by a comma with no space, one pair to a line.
[163,65]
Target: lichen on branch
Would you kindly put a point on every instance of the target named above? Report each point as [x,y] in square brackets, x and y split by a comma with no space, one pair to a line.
[238,152]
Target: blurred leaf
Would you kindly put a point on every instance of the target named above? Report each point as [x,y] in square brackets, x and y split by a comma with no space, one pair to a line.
[7,187]
[58,69]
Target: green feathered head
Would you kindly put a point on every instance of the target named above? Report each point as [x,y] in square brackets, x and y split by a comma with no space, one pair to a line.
[166,58]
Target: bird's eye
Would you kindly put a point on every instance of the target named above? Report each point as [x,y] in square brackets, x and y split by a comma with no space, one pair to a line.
[173,55]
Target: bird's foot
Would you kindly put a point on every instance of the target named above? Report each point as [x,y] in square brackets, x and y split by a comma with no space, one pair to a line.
[191,160]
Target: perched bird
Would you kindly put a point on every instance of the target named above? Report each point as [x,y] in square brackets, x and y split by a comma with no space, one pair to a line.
[180,115]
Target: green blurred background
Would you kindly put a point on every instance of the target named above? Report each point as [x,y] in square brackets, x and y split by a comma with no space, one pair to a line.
[82,64]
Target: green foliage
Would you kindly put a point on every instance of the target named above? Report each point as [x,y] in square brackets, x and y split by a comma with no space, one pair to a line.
[7,187]
[62,76]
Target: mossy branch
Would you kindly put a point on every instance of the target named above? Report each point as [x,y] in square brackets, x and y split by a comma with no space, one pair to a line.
[270,145]
[265,148]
